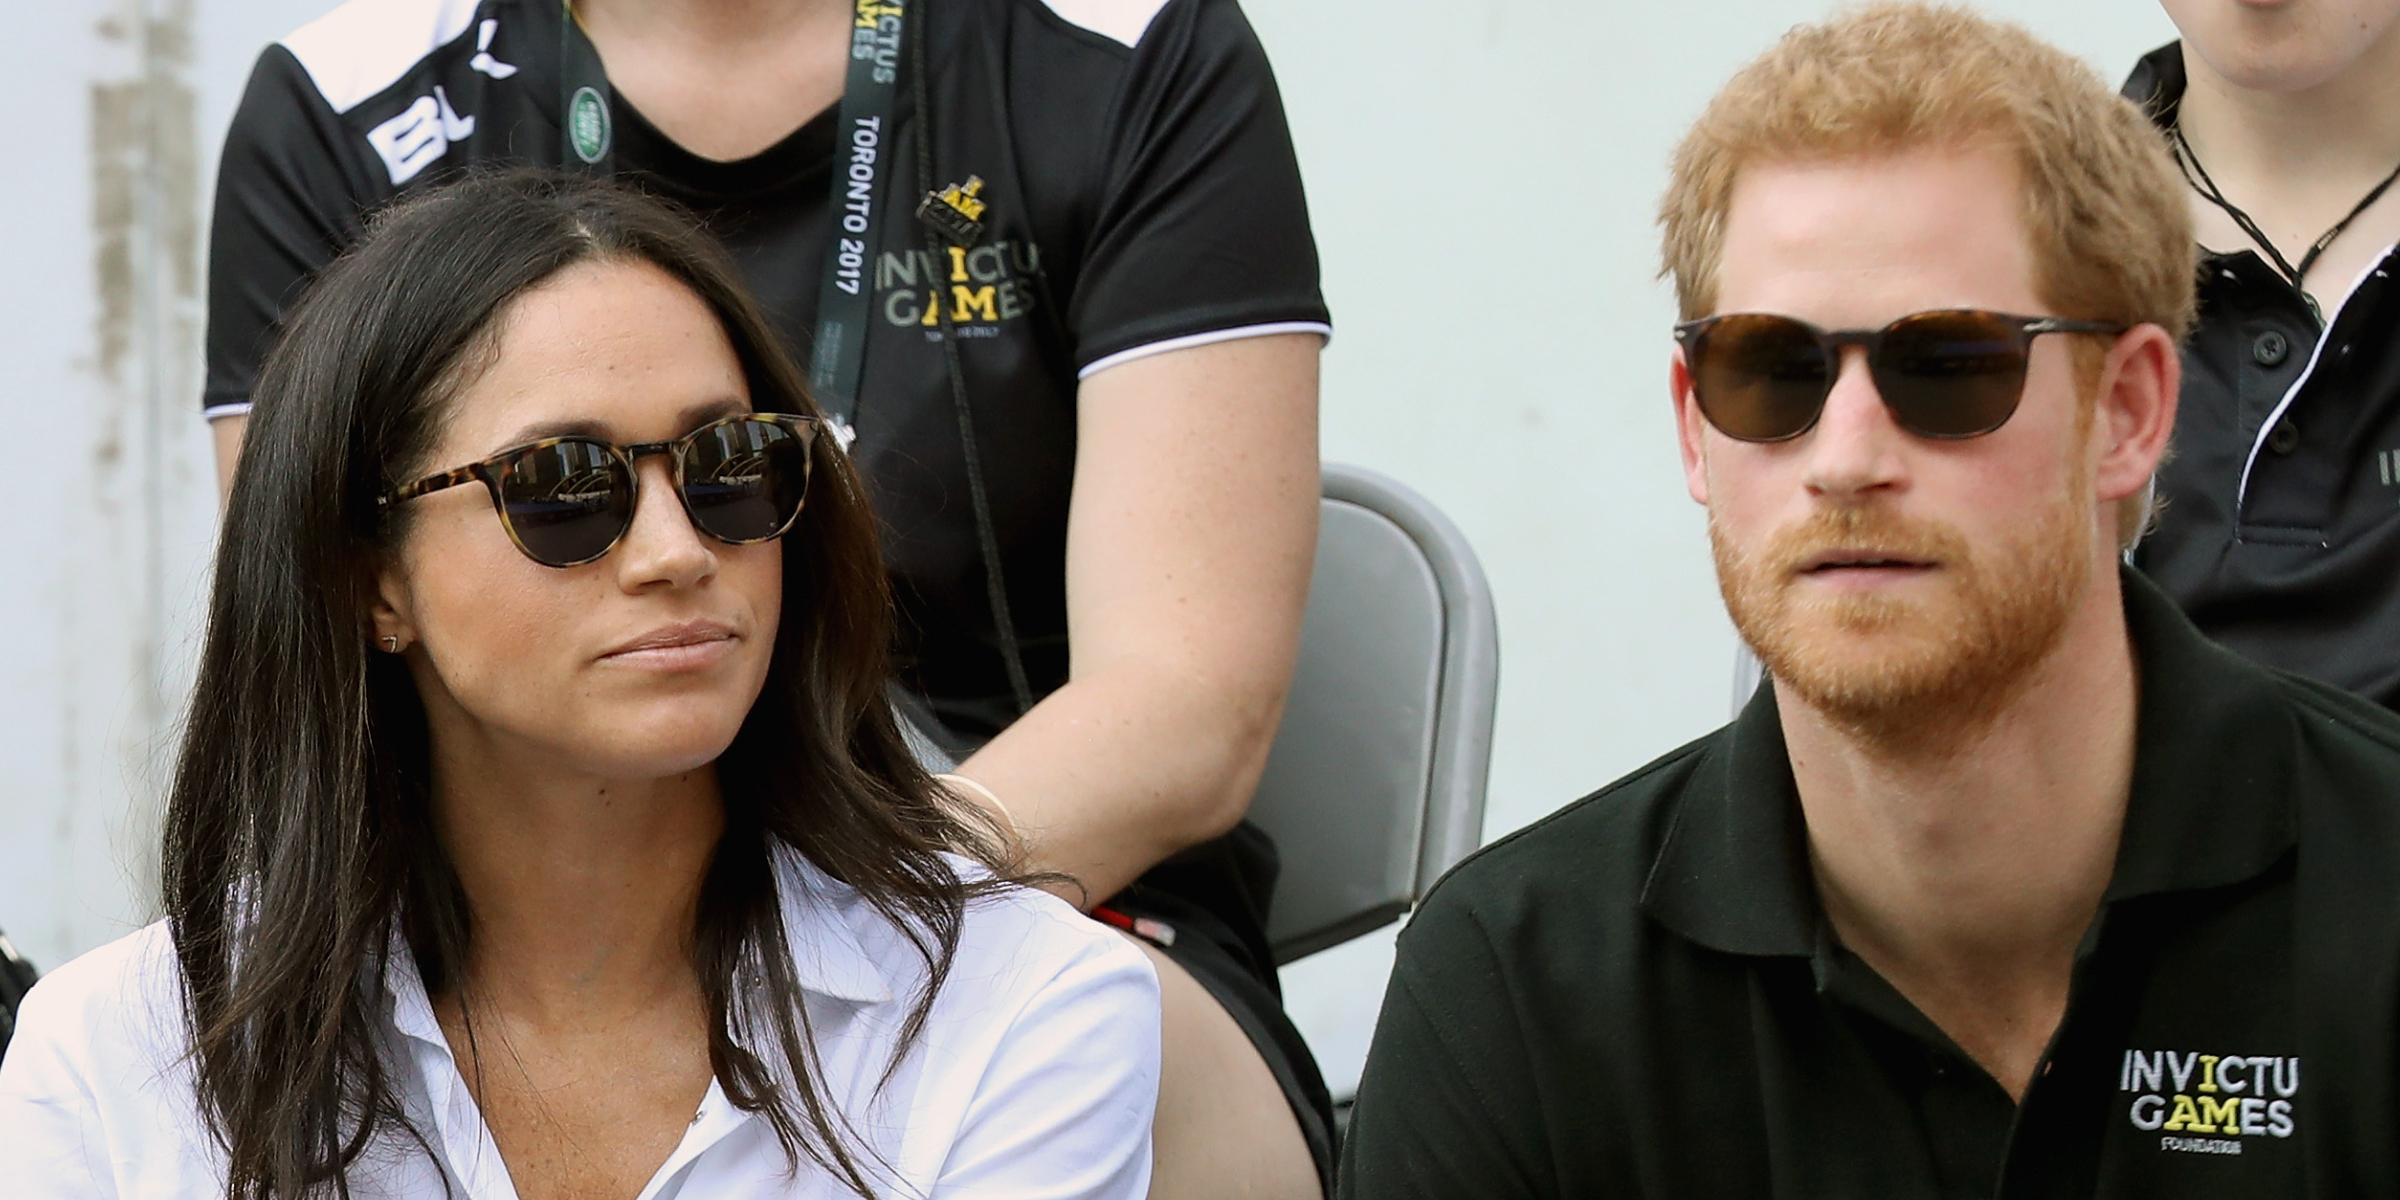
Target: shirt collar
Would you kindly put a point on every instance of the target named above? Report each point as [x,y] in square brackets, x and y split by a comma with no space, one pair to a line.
[826,926]
[2157,84]
[829,928]
[2215,748]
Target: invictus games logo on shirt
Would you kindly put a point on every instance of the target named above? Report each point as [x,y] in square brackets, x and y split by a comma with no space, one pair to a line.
[982,288]
[2207,1103]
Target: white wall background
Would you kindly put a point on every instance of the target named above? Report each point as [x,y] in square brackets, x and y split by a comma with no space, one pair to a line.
[1482,174]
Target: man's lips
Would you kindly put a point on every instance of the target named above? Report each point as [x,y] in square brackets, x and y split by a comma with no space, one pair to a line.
[1843,561]
[684,644]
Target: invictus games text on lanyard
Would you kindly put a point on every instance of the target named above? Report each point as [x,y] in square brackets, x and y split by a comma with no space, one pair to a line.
[861,179]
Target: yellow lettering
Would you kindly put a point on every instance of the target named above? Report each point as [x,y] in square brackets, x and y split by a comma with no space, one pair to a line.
[958,264]
[2208,1072]
[2218,1114]
[979,301]
[2185,1117]
[933,310]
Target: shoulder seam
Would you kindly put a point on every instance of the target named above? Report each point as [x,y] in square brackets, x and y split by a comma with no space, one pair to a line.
[1676,757]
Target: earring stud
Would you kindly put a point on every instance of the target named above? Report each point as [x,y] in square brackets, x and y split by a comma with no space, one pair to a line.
[391,644]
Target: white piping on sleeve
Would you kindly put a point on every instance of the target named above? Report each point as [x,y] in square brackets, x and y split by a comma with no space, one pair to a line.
[218,412]
[1320,328]
[2241,493]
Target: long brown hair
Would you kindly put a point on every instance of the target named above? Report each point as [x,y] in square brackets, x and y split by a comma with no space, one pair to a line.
[298,834]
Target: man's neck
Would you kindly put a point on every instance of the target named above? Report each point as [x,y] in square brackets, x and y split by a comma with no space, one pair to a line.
[2299,161]
[725,23]
[2343,127]
[1966,874]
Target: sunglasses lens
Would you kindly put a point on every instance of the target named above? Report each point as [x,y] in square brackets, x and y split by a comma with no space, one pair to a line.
[743,479]
[567,502]
[1759,377]
[1951,374]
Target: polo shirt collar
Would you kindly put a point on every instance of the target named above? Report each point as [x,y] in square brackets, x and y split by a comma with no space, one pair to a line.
[2210,803]
[1733,872]
[2157,83]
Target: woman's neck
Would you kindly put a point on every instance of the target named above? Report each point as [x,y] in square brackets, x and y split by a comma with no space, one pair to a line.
[724,79]
[721,22]
[584,891]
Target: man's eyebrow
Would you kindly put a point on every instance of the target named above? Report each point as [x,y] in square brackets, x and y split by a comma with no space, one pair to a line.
[692,417]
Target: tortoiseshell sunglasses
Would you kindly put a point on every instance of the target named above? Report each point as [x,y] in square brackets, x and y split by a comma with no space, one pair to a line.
[566,501]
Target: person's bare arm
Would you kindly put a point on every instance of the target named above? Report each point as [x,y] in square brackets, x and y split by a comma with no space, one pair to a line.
[1189,544]
[227,433]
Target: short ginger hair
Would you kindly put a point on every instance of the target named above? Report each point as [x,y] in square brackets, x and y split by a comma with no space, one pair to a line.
[2105,210]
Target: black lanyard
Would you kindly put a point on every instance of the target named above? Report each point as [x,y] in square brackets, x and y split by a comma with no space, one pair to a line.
[861,181]
[864,144]
[2197,176]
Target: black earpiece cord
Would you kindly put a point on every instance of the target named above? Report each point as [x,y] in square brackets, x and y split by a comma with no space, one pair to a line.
[995,584]
[2197,176]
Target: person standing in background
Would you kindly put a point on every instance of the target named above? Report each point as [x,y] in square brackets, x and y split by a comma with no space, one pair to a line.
[1073,332]
[2278,529]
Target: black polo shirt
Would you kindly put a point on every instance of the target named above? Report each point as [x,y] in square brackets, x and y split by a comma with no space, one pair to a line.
[1640,996]
[2281,531]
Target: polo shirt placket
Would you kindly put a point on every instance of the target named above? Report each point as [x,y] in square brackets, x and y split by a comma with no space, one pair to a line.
[2280,530]
[1641,995]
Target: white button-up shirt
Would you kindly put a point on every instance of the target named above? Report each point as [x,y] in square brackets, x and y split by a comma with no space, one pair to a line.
[1035,1078]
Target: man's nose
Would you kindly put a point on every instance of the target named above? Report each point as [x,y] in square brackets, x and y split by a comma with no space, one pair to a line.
[1856,445]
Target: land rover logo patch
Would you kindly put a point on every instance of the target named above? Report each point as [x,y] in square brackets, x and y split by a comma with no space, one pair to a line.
[587,125]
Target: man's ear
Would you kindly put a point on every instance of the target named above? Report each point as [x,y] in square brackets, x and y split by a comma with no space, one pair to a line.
[1691,429]
[2140,382]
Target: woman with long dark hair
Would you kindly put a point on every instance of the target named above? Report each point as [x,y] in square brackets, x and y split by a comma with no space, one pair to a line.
[542,827]
[1049,266]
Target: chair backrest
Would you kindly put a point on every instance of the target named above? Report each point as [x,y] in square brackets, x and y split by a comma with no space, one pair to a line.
[1375,783]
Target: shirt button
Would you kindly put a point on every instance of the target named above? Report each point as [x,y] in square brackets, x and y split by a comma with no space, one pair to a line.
[2284,438]
[2270,348]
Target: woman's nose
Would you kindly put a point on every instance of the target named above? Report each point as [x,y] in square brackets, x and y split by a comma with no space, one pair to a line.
[662,546]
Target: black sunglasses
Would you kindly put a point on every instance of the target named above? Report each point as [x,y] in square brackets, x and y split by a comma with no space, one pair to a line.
[1949,373]
[566,501]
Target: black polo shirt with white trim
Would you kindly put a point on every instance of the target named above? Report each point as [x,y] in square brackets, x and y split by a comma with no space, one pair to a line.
[1641,997]
[2280,534]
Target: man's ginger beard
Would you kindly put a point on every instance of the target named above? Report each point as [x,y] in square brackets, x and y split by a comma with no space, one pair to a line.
[1912,674]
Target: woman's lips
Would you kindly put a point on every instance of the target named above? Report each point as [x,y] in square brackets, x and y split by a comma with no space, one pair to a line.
[686,646]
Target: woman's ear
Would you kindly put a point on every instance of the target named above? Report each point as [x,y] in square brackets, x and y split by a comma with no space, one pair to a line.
[394,609]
